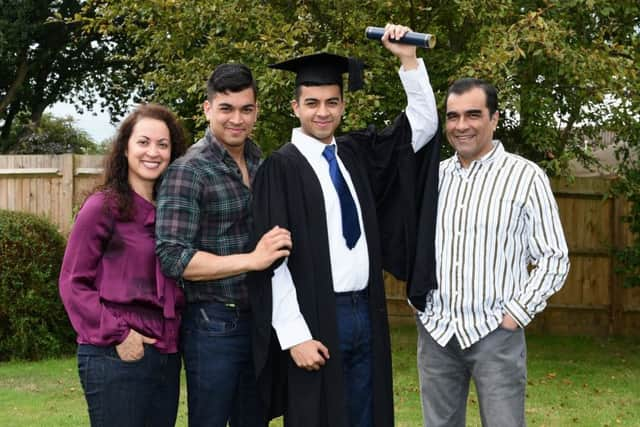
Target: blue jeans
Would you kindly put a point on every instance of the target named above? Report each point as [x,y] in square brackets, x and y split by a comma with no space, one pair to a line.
[129,394]
[354,332]
[221,384]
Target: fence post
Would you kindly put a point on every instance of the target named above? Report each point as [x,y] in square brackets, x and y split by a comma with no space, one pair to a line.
[617,320]
[66,202]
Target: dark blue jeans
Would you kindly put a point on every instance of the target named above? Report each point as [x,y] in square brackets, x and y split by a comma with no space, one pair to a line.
[221,384]
[354,330]
[129,394]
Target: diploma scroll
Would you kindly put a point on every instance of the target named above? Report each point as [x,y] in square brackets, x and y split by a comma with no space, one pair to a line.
[427,41]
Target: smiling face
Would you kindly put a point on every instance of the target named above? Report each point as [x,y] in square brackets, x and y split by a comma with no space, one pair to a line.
[319,109]
[148,152]
[232,116]
[469,125]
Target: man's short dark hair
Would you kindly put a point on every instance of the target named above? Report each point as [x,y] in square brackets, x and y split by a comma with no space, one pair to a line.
[230,78]
[464,85]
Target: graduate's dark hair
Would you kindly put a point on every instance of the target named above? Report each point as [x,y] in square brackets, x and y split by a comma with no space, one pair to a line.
[299,90]
[116,185]
[464,85]
[230,78]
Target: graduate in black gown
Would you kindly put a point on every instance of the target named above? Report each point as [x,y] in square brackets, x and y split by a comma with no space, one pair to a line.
[321,336]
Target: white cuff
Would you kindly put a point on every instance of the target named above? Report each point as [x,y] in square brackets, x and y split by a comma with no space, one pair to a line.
[416,81]
[293,332]
[286,319]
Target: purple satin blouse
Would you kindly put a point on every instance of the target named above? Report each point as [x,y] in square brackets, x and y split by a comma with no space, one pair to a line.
[110,281]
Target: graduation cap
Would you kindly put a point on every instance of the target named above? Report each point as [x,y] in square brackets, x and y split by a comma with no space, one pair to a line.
[324,69]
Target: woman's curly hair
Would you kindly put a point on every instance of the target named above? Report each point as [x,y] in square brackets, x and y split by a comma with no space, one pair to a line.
[116,168]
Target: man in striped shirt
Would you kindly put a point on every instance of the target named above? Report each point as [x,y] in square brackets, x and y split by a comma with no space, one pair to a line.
[500,254]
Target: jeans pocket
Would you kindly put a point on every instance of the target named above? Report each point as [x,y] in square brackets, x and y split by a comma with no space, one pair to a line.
[511,331]
[216,323]
[113,356]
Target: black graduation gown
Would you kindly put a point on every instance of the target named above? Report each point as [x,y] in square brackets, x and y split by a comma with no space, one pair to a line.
[286,192]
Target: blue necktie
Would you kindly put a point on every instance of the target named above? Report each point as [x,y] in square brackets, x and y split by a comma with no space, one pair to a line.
[350,223]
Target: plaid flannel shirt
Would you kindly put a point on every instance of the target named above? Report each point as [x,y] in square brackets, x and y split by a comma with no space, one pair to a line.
[203,205]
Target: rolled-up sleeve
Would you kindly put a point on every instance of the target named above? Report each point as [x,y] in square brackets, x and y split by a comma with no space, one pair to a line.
[178,218]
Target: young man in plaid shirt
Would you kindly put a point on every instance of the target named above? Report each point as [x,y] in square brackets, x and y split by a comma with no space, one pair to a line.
[202,229]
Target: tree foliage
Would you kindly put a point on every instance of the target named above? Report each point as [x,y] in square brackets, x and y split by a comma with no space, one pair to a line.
[565,70]
[53,135]
[48,55]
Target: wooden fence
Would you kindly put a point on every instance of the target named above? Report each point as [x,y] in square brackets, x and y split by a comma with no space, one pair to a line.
[48,185]
[592,302]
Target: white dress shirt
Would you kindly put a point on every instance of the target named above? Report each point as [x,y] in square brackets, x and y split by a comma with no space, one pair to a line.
[495,219]
[349,268]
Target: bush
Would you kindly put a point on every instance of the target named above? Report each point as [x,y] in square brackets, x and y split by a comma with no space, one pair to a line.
[33,323]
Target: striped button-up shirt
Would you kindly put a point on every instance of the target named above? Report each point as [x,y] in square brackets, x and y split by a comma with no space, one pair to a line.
[203,205]
[500,248]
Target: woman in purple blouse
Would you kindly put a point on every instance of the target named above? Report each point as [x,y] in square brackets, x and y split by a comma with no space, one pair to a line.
[125,312]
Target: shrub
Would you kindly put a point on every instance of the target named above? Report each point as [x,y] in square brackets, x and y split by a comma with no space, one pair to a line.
[33,323]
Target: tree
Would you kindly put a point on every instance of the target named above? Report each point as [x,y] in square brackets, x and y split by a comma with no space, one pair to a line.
[47,55]
[52,135]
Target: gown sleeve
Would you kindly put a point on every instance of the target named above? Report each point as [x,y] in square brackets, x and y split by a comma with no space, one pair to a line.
[405,188]
[269,205]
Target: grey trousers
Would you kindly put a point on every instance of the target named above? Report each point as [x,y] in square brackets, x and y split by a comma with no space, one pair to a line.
[498,365]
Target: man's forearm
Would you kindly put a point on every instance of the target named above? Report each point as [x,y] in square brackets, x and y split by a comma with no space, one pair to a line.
[208,266]
[273,245]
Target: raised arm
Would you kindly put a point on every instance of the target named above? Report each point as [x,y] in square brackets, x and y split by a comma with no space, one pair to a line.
[421,104]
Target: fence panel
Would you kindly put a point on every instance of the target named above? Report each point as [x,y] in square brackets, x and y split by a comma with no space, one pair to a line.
[48,185]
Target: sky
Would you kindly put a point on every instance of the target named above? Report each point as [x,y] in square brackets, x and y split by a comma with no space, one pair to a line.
[96,124]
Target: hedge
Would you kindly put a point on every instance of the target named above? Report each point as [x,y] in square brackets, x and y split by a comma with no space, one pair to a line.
[33,323]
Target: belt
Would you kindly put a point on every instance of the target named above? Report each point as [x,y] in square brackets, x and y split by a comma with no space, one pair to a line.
[352,295]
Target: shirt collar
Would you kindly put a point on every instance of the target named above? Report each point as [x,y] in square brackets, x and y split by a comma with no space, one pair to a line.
[308,145]
[496,152]
[251,151]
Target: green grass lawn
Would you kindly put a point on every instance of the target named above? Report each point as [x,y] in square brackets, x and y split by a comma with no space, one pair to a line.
[573,381]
